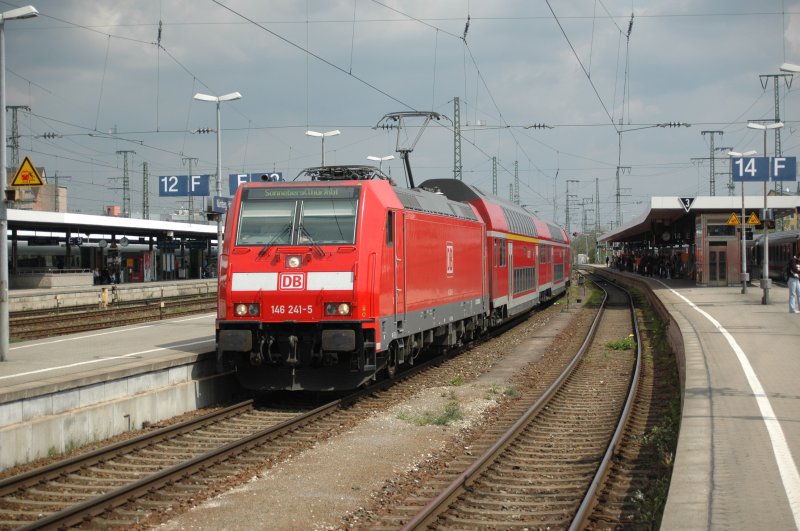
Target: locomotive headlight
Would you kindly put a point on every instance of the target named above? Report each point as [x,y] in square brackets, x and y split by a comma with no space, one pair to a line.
[242,310]
[337,308]
[293,262]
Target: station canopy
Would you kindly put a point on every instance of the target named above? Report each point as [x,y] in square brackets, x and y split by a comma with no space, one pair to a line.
[671,220]
[31,220]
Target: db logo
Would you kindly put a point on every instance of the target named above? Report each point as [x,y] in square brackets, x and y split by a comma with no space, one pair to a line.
[292,281]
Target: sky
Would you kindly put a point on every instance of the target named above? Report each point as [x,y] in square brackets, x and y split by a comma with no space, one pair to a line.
[603,76]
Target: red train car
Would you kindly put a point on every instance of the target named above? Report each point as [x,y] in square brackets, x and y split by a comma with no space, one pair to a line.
[529,257]
[325,282]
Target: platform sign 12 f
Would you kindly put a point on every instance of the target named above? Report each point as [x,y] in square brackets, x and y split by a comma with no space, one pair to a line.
[183,185]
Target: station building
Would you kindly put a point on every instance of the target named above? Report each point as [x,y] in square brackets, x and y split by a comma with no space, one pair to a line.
[701,237]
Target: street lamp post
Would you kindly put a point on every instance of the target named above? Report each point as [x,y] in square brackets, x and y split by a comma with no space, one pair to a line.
[380,160]
[218,188]
[744,225]
[18,13]
[322,136]
[765,281]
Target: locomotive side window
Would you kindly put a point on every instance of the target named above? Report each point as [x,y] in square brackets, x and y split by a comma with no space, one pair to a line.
[389,229]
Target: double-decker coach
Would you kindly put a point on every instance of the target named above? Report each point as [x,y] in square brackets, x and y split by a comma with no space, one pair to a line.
[529,258]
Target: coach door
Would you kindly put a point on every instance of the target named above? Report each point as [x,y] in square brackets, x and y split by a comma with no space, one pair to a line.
[398,221]
[510,261]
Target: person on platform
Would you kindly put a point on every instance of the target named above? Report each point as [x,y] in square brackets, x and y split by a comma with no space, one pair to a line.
[793,274]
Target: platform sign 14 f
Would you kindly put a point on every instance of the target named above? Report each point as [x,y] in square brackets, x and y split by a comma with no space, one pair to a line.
[183,185]
[763,169]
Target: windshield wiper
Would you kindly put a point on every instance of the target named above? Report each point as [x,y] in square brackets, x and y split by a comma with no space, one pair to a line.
[312,241]
[270,243]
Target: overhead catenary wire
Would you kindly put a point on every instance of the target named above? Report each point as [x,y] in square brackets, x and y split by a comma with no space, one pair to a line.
[314,55]
[577,58]
[102,82]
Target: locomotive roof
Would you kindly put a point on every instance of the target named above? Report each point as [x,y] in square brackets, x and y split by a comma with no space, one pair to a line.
[343,173]
[412,199]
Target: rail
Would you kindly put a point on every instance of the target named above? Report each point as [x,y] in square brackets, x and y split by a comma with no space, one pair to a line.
[450,495]
[94,507]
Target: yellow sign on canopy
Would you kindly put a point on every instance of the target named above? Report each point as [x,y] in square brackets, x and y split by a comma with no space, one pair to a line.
[27,175]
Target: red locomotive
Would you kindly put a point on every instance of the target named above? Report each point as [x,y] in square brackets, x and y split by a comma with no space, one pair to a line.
[325,283]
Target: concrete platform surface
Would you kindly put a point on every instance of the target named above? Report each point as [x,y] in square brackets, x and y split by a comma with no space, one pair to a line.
[63,392]
[48,365]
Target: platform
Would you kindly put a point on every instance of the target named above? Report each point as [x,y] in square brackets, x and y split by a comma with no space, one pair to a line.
[60,393]
[739,442]
[69,296]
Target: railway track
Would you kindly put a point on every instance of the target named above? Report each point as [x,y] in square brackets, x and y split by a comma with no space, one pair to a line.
[97,489]
[541,464]
[39,324]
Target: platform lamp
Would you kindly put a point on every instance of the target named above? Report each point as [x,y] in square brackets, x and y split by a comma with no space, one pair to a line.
[765,277]
[322,136]
[744,224]
[380,160]
[217,100]
[789,67]
[12,14]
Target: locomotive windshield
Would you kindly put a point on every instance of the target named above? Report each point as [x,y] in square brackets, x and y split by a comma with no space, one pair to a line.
[298,216]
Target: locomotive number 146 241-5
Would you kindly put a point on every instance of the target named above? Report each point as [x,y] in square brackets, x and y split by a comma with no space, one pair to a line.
[291,309]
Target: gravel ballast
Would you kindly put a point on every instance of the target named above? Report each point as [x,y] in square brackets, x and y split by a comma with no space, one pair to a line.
[345,474]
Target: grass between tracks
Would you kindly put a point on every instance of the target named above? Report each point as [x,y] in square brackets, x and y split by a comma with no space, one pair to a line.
[661,439]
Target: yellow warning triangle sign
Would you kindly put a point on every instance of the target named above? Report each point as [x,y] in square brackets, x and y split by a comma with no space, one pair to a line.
[27,175]
[753,219]
[733,219]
